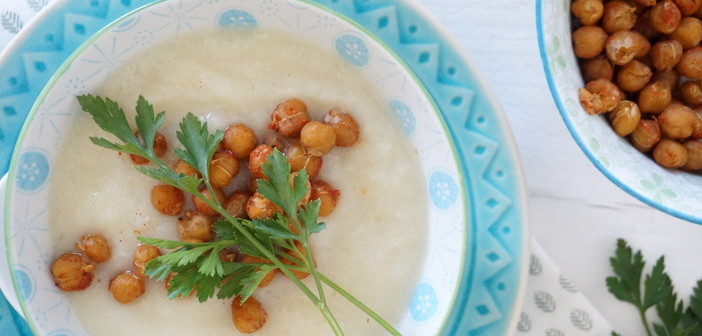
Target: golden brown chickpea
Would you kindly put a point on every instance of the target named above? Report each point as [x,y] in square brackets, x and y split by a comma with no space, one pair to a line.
[691,92]
[589,41]
[276,141]
[236,204]
[72,272]
[690,64]
[665,16]
[618,15]
[646,3]
[688,7]
[248,316]
[167,199]
[596,68]
[688,33]
[318,138]
[195,227]
[587,11]
[223,167]
[646,135]
[694,155]
[205,209]
[600,96]
[668,77]
[697,125]
[654,98]
[182,167]
[160,147]
[625,117]
[327,195]
[299,158]
[643,26]
[665,55]
[626,45]
[676,121]
[633,76]
[289,117]
[344,125]
[125,287]
[95,247]
[670,154]
[258,157]
[240,140]
[247,259]
[259,207]
[142,255]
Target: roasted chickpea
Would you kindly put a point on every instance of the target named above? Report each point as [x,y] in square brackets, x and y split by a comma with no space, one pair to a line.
[223,167]
[327,195]
[142,255]
[691,92]
[646,135]
[289,117]
[195,227]
[344,125]
[694,155]
[688,7]
[587,11]
[275,141]
[596,68]
[670,154]
[665,16]
[258,157]
[160,147]
[643,26]
[668,77]
[599,96]
[248,316]
[318,138]
[677,121]
[299,158]
[182,167]
[72,272]
[205,209]
[625,117]
[236,204]
[240,140]
[690,64]
[646,3]
[589,41]
[697,125]
[125,287]
[665,55]
[633,76]
[654,98]
[688,33]
[259,207]
[95,247]
[167,199]
[248,259]
[626,45]
[618,15]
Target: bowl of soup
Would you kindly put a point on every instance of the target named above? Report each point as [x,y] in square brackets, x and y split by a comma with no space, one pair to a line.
[428,228]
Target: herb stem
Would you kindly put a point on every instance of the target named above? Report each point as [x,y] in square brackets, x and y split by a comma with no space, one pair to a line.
[644,320]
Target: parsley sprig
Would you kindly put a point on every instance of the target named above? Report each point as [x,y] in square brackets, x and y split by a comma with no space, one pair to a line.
[197,267]
[675,318]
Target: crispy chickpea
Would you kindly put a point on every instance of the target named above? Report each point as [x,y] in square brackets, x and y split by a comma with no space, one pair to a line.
[72,272]
[665,16]
[327,195]
[669,77]
[626,45]
[289,117]
[694,155]
[142,255]
[625,117]
[697,125]
[248,316]
[95,247]
[654,98]
[646,135]
[596,68]
[125,287]
[236,204]
[223,167]
[195,227]
[258,157]
[688,7]
[318,138]
[688,33]
[691,92]
[248,259]
[600,96]
[670,154]
[589,41]
[205,209]
[676,121]
[690,64]
[299,158]
[633,76]
[259,207]
[344,125]
[275,141]
[240,140]
[167,199]
[587,11]
[665,55]
[160,147]
[618,15]
[182,167]
[643,26]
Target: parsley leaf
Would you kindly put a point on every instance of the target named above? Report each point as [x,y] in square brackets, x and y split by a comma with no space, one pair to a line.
[199,144]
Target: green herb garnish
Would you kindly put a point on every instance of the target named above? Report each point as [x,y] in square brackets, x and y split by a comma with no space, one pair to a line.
[197,266]
[625,285]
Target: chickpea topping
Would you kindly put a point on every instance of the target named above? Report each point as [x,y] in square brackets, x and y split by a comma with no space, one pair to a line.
[126,287]
[275,141]
[688,7]
[236,204]
[142,255]
[633,76]
[327,195]
[618,15]
[654,98]
[697,125]
[299,158]
[182,167]
[670,154]
[625,117]
[691,92]
[160,147]
[318,138]
[195,227]
[289,117]
[665,16]
[596,68]
[72,272]
[665,55]
[223,167]
[599,96]
[248,316]
[669,77]
[167,199]
[95,247]
[589,41]
[646,135]
[643,26]
[694,155]
[344,126]
[587,11]
[240,140]
[259,207]
[688,33]
[258,157]
[690,64]
[625,45]
[248,259]
[677,121]
[646,3]
[205,209]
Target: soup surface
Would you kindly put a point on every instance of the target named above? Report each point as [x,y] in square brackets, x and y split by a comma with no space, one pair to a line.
[375,242]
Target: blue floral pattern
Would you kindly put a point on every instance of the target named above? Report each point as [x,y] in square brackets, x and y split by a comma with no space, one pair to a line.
[424,303]
[25,283]
[405,115]
[443,190]
[33,170]
[353,49]
[236,18]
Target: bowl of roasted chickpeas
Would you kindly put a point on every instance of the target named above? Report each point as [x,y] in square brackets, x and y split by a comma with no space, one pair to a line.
[263,167]
[626,77]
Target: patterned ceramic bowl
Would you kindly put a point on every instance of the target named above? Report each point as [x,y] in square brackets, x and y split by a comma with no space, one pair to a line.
[672,191]
[472,278]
